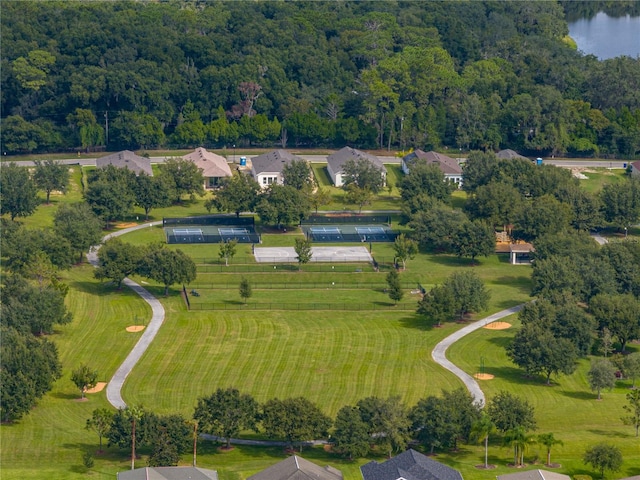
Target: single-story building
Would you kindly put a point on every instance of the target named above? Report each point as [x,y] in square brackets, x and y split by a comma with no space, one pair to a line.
[266,169]
[126,159]
[520,253]
[509,154]
[409,465]
[336,162]
[297,468]
[635,169]
[168,473]
[214,167]
[534,475]
[447,165]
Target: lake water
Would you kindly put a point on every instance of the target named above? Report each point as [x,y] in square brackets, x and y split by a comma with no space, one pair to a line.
[607,37]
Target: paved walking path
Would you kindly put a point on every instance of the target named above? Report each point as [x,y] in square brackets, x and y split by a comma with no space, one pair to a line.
[439,352]
[114,386]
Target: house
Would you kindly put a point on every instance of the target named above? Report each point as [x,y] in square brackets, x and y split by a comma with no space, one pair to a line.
[297,468]
[447,165]
[635,169]
[336,162]
[409,465]
[214,167]
[126,159]
[267,168]
[520,253]
[534,475]
[509,154]
[168,473]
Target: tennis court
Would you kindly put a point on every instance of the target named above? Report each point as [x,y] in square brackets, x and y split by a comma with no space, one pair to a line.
[349,233]
[211,234]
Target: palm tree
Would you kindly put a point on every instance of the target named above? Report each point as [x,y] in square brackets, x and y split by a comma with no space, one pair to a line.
[548,440]
[480,431]
[518,439]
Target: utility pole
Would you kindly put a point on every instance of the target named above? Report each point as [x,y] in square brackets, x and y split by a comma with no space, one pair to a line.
[106,128]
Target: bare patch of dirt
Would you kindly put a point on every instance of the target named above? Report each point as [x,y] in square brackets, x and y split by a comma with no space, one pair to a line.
[135,328]
[483,376]
[98,388]
[126,225]
[497,326]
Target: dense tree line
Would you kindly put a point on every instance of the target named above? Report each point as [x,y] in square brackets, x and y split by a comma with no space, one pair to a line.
[470,75]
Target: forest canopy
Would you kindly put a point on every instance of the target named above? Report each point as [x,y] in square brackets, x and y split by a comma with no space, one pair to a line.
[385,74]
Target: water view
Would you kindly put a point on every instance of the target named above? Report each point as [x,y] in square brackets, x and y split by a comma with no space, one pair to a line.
[607,37]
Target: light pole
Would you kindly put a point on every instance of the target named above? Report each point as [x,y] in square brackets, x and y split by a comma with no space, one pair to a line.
[234,153]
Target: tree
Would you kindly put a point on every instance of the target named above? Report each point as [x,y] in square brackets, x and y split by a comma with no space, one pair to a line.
[297,174]
[537,350]
[363,174]
[474,238]
[50,175]
[357,196]
[237,194]
[603,456]
[228,250]
[509,411]
[633,410]
[434,227]
[632,367]
[100,422]
[117,260]
[79,225]
[438,305]
[245,289]
[282,205]
[226,413]
[388,422]
[294,419]
[85,378]
[518,439]
[404,249]
[479,169]
[602,374]
[350,437]
[548,440]
[29,366]
[185,176]
[152,192]
[621,203]
[320,197]
[165,453]
[110,192]
[19,195]
[619,313]
[495,202]
[541,216]
[480,431]
[424,179]
[303,251]
[394,287]
[469,291]
[167,267]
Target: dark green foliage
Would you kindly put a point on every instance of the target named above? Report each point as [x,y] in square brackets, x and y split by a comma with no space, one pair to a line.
[351,436]
[435,227]
[79,225]
[479,169]
[363,174]
[294,420]
[18,195]
[153,192]
[509,411]
[282,205]
[245,289]
[167,266]
[226,413]
[117,260]
[394,287]
[302,248]
[469,292]
[22,246]
[438,305]
[541,216]
[621,203]
[426,180]
[165,453]
[50,176]
[111,192]
[298,175]
[84,378]
[602,374]
[28,368]
[602,457]
[496,202]
[100,422]
[237,194]
[473,239]
[619,313]
[184,177]
[388,422]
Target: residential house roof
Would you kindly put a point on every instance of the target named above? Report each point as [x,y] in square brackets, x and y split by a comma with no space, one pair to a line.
[338,159]
[448,165]
[126,159]
[168,473]
[272,162]
[509,154]
[212,165]
[409,465]
[297,468]
[534,475]
[636,166]
[521,248]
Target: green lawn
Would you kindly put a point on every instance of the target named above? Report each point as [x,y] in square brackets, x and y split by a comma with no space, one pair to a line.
[599,177]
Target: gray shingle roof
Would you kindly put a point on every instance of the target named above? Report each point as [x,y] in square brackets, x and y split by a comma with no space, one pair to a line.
[212,165]
[338,159]
[509,154]
[534,475]
[410,465]
[297,468]
[168,473]
[126,159]
[447,165]
[272,162]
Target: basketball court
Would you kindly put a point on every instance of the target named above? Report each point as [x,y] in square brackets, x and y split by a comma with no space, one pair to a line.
[318,254]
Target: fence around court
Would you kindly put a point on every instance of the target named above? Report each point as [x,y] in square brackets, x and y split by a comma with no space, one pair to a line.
[249,265]
[350,307]
[303,286]
[339,218]
[209,220]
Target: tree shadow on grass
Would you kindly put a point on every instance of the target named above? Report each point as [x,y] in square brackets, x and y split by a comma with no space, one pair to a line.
[66,396]
[453,261]
[613,434]
[514,375]
[580,395]
[417,322]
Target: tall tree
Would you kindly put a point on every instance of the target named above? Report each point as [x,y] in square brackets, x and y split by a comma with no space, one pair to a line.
[438,305]
[633,410]
[110,192]
[621,203]
[394,286]
[226,412]
[602,374]
[50,175]
[237,194]
[388,422]
[363,174]
[602,457]
[548,440]
[185,176]
[404,249]
[117,260]
[473,239]
[298,175]
[167,267]
[427,180]
[85,378]
[351,437]
[480,431]
[619,313]
[152,192]
[100,422]
[509,411]
[469,291]
[18,195]
[302,248]
[282,205]
[79,225]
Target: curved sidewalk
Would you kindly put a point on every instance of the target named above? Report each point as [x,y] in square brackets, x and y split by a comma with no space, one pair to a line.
[114,386]
[439,352]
